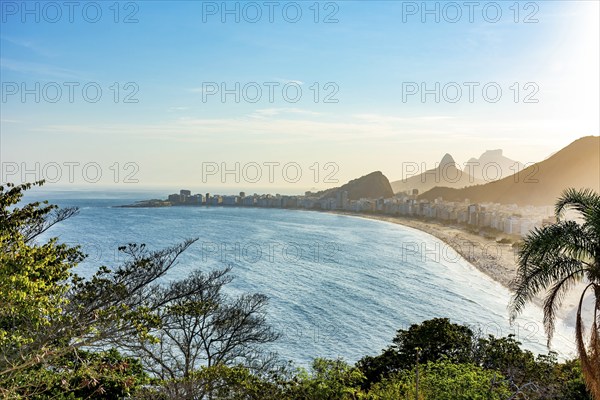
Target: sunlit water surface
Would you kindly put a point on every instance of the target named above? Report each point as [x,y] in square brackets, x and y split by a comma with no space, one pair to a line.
[339,286]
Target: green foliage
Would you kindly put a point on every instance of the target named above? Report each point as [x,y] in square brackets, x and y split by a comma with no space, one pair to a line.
[328,379]
[377,367]
[443,380]
[438,340]
[48,313]
[33,277]
[81,375]
[433,339]
[34,281]
[215,382]
[569,378]
[555,258]
[504,354]
[196,342]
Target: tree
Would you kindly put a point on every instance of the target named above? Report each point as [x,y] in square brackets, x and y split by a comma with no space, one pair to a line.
[47,312]
[82,375]
[556,257]
[570,380]
[34,281]
[439,340]
[328,379]
[443,380]
[216,382]
[375,368]
[505,355]
[201,326]
[434,338]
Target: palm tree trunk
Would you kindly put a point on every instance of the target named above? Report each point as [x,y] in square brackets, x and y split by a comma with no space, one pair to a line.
[590,364]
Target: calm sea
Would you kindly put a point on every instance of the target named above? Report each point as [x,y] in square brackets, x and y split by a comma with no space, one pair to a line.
[339,286]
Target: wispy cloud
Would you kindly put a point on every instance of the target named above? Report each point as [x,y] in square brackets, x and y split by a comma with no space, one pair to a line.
[229,130]
[277,126]
[177,109]
[29,44]
[273,112]
[284,81]
[379,118]
[40,70]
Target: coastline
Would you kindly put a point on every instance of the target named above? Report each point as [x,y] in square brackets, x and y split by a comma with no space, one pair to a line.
[496,260]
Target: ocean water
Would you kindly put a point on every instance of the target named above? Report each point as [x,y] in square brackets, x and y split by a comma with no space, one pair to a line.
[339,286]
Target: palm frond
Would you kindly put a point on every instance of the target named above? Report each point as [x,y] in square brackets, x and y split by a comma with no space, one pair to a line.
[548,255]
[554,300]
[579,200]
[564,237]
[557,256]
[592,223]
[535,277]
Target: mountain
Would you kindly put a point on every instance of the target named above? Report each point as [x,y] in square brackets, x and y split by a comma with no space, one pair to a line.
[491,166]
[372,186]
[577,166]
[446,174]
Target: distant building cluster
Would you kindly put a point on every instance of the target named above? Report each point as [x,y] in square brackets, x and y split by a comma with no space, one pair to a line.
[186,197]
[509,219]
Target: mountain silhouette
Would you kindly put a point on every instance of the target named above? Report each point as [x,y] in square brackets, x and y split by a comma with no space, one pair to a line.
[446,174]
[576,166]
[491,166]
[372,186]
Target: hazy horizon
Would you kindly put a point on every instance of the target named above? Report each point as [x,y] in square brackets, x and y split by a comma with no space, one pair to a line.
[162,114]
[299,199]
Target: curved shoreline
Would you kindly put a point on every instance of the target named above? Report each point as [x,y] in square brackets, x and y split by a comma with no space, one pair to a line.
[496,260]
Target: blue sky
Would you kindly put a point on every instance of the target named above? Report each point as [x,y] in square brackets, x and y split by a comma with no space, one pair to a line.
[369,58]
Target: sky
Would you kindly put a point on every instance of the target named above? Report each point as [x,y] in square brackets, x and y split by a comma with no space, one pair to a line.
[288,96]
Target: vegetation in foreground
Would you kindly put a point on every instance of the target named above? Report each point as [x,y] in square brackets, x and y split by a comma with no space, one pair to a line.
[556,257]
[121,334]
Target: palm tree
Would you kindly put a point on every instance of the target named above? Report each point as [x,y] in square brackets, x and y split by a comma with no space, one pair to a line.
[555,258]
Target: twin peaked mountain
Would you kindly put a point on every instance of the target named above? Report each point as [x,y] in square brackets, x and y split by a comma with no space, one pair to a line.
[446,173]
[491,166]
[492,178]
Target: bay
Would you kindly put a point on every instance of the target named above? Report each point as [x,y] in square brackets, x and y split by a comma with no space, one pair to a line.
[339,286]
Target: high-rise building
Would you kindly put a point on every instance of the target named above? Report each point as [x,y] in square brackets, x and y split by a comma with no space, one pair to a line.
[196,199]
[473,214]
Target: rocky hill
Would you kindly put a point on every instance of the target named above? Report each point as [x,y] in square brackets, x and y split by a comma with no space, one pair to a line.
[577,166]
[446,174]
[491,166]
[373,186]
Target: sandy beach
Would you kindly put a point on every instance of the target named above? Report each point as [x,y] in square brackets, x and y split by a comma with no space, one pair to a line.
[497,260]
